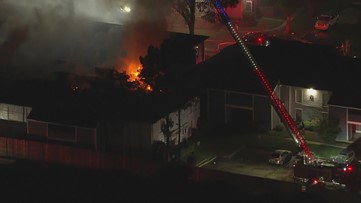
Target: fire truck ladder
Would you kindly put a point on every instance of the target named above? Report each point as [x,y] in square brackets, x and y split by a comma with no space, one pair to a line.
[288,122]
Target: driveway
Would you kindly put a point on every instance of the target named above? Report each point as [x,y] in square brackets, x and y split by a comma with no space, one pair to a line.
[252,162]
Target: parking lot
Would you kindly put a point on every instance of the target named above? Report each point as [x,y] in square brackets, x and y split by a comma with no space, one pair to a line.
[253,162]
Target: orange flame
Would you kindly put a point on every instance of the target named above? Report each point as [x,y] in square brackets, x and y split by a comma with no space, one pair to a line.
[133,70]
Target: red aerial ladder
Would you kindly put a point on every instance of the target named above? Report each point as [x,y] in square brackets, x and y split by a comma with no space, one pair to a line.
[277,105]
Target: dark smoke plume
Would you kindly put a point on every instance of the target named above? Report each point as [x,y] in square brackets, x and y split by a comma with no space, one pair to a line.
[38,37]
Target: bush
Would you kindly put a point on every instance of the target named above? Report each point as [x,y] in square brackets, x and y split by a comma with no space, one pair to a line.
[278,128]
[312,124]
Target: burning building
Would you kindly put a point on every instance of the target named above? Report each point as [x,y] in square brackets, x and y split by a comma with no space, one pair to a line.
[100,110]
[73,77]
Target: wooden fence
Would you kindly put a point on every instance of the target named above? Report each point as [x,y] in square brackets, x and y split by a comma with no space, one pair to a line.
[60,154]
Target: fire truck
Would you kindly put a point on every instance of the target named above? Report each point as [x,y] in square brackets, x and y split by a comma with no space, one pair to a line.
[327,173]
[307,169]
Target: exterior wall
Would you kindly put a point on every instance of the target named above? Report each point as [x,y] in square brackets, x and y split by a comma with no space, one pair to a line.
[156,134]
[216,106]
[275,119]
[312,103]
[353,124]
[349,122]
[200,53]
[14,112]
[188,120]
[340,114]
[137,135]
[239,109]
[120,135]
[237,12]
[262,113]
[123,136]
[79,135]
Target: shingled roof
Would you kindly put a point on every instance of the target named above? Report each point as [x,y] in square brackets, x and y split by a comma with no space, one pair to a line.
[288,62]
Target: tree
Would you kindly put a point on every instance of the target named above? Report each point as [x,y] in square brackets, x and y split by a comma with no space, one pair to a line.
[187,9]
[289,7]
[164,67]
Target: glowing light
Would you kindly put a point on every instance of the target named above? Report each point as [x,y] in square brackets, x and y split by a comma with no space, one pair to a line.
[315,181]
[259,39]
[149,88]
[348,168]
[133,72]
[126,9]
[312,92]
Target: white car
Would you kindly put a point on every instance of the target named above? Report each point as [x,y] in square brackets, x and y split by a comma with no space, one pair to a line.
[280,157]
[327,20]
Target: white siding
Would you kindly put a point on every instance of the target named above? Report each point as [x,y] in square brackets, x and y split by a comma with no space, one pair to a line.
[188,120]
[14,112]
[4,111]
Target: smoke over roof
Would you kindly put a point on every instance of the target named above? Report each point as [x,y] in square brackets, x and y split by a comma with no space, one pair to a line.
[42,36]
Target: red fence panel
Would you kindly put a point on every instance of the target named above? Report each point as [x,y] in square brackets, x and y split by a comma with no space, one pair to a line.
[85,158]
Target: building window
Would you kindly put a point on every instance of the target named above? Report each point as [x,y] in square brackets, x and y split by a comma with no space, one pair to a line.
[298,96]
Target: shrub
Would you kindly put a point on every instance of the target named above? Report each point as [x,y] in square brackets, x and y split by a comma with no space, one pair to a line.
[312,124]
[278,128]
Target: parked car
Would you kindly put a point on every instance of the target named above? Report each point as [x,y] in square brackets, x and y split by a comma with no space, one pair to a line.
[345,156]
[326,20]
[256,38]
[280,157]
